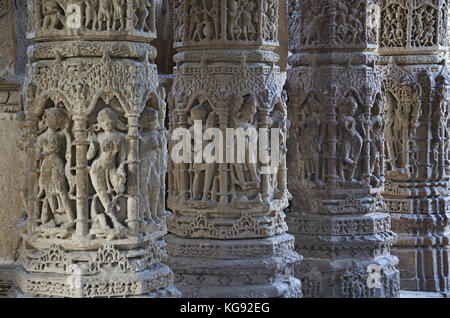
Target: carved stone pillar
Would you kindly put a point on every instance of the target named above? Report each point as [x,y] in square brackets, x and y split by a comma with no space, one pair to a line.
[227,229]
[12,69]
[412,45]
[336,151]
[95,153]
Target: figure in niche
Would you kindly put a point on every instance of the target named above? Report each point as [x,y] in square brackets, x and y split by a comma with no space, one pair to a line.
[341,21]
[234,31]
[198,114]
[142,15]
[398,22]
[417,26]
[53,185]
[248,30]
[195,21]
[377,141]
[280,122]
[104,14]
[107,172]
[350,140]
[245,175]
[91,8]
[429,26]
[356,26]
[179,28]
[150,170]
[312,134]
[265,21]
[214,14]
[205,172]
[118,14]
[273,21]
[312,30]
[175,175]
[53,15]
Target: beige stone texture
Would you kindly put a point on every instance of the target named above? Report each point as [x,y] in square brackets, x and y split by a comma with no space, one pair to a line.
[12,67]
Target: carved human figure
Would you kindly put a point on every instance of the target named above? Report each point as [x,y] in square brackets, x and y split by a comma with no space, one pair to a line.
[104,14]
[52,13]
[150,172]
[312,29]
[91,8]
[214,14]
[234,31]
[195,20]
[109,153]
[429,26]
[273,22]
[311,138]
[350,139]
[53,185]
[399,25]
[198,114]
[118,6]
[377,141]
[245,120]
[356,26]
[248,30]
[280,122]
[342,26]
[417,27]
[142,14]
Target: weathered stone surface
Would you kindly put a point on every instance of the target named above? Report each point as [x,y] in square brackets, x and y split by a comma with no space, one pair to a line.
[336,152]
[95,154]
[12,67]
[227,77]
[413,45]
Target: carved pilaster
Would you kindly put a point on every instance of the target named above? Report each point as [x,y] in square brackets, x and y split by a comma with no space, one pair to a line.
[336,151]
[95,153]
[413,45]
[12,68]
[228,213]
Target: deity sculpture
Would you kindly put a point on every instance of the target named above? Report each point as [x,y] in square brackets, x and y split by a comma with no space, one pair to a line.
[53,187]
[108,175]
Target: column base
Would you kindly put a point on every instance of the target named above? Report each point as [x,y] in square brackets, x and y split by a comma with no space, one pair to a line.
[424,263]
[107,272]
[350,278]
[250,268]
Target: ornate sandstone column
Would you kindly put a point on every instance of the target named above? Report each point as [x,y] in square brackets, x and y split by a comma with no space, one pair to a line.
[227,229]
[12,69]
[95,152]
[412,45]
[336,151]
